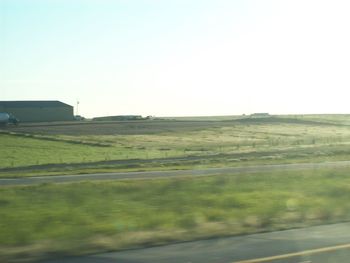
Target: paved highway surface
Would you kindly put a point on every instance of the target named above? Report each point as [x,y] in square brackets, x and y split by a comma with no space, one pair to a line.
[172,173]
[320,244]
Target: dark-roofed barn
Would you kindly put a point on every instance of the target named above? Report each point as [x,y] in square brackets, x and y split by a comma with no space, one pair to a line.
[38,111]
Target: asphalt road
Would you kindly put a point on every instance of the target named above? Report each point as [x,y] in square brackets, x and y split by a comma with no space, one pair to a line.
[321,244]
[172,173]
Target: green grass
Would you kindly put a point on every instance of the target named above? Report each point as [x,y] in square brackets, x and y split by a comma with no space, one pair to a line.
[343,119]
[89,217]
[21,151]
[328,118]
[217,143]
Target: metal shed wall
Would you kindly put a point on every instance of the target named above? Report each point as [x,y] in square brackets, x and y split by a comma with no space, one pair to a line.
[38,111]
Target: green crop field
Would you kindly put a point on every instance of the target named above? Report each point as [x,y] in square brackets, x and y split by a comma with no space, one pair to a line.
[153,145]
[87,217]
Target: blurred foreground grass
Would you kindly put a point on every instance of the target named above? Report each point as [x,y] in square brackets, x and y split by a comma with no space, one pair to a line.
[52,220]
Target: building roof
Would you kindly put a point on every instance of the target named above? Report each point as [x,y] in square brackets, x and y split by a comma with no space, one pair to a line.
[33,103]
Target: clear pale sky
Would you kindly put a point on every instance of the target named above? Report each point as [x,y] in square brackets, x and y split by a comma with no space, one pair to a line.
[179,57]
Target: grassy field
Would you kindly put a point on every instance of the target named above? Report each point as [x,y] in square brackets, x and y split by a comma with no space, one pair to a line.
[328,118]
[52,220]
[112,146]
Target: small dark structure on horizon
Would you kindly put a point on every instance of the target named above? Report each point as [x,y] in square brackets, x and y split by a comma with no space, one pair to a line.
[38,111]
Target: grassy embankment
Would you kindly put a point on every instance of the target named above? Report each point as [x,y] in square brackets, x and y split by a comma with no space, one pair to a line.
[88,217]
[91,147]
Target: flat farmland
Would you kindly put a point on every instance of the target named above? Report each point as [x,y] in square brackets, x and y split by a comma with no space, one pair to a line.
[114,127]
[53,219]
[168,144]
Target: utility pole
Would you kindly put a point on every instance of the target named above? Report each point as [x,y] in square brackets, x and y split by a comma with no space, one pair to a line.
[77,110]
